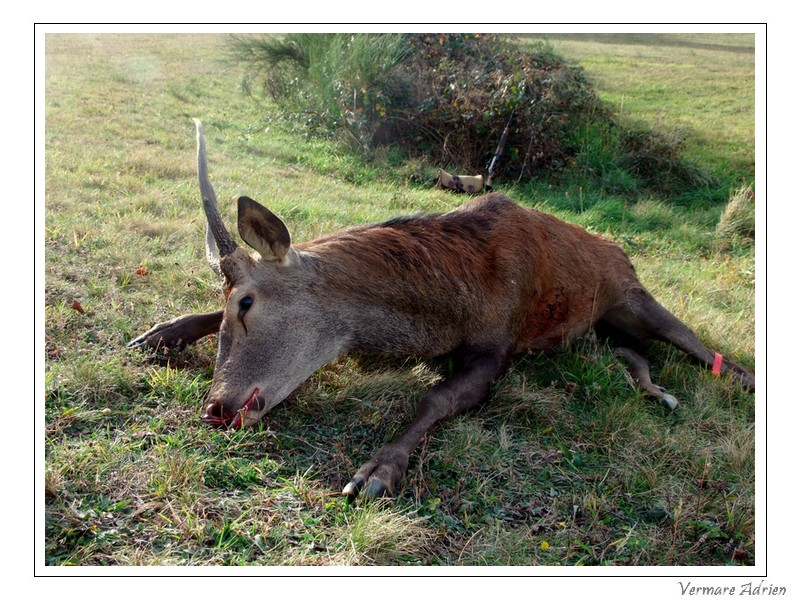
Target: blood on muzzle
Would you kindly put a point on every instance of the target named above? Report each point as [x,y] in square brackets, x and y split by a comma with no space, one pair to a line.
[217,415]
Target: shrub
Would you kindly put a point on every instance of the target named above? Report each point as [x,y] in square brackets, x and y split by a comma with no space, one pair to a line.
[468,87]
[629,159]
[320,77]
[655,159]
[447,98]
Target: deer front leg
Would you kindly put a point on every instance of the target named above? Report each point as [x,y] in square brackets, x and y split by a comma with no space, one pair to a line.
[178,333]
[383,473]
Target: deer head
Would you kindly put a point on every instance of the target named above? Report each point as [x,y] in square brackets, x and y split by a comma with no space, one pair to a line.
[277,328]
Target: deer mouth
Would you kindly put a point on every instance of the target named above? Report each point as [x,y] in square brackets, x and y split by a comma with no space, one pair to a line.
[216,415]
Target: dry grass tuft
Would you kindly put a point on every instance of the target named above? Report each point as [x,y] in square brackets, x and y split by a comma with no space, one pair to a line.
[738,220]
[378,535]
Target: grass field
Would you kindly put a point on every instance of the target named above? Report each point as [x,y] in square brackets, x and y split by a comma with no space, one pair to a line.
[668,81]
[566,464]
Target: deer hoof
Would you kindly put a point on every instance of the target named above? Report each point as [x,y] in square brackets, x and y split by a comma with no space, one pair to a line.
[670,401]
[380,476]
[352,488]
[376,489]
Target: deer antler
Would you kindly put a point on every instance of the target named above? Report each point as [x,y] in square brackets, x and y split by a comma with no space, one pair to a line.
[218,241]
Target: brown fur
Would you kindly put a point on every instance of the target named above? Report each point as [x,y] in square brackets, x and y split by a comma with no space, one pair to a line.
[488,274]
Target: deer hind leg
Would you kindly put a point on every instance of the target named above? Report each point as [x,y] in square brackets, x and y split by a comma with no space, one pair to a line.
[640,317]
[630,349]
[639,369]
[178,333]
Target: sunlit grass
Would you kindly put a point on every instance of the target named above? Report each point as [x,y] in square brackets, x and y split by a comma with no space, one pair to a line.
[667,80]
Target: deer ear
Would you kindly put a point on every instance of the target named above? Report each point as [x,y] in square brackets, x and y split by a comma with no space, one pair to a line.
[263,231]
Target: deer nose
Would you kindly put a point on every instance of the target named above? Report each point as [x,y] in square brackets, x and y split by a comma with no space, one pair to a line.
[215,415]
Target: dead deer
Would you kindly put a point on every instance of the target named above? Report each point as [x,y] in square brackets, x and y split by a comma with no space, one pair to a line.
[479,283]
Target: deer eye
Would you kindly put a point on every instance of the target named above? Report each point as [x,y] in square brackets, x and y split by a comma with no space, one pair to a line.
[245,303]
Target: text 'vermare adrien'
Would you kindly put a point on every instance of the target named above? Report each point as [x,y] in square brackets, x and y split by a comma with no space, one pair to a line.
[750,588]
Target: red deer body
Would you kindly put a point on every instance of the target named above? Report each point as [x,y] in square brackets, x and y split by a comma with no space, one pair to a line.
[479,283]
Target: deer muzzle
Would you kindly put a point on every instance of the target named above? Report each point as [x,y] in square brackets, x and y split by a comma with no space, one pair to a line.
[216,414]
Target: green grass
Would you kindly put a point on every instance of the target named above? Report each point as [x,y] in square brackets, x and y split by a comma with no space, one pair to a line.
[564,465]
[699,85]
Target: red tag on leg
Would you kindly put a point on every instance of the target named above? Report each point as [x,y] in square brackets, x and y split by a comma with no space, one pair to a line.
[716,368]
